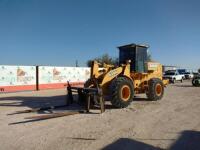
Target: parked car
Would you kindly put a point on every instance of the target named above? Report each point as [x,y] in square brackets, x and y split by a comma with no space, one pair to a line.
[189,75]
[173,76]
[182,72]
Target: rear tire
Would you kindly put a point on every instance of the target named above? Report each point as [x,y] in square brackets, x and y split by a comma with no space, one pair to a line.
[195,82]
[156,89]
[122,92]
[173,81]
[181,80]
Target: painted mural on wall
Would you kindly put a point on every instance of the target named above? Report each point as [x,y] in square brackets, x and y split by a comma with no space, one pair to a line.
[63,74]
[17,75]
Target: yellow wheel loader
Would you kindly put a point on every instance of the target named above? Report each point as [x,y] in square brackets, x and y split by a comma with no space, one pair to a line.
[134,75]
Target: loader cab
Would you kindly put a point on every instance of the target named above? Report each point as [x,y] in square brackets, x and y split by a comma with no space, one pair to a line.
[137,54]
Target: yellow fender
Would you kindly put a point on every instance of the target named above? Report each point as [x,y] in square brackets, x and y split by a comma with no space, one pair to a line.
[111,75]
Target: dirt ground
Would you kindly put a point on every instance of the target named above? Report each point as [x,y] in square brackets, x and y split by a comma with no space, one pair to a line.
[172,123]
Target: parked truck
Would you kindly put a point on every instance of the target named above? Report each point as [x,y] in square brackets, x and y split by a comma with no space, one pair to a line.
[173,76]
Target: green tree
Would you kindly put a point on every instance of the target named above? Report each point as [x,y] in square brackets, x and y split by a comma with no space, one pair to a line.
[105,58]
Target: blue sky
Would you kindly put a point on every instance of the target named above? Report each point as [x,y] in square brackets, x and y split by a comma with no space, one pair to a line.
[59,32]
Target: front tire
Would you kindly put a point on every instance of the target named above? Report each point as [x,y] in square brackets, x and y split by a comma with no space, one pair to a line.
[122,92]
[173,81]
[182,80]
[156,89]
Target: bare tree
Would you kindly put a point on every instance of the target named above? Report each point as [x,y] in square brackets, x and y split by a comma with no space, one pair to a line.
[105,58]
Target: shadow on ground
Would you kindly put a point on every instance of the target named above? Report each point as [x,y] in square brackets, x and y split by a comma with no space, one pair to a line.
[32,102]
[35,102]
[140,99]
[129,144]
[188,140]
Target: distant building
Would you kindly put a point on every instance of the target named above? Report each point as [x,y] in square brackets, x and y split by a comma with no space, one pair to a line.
[179,69]
[167,68]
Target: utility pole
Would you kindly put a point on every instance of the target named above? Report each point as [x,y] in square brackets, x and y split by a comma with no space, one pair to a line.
[77,63]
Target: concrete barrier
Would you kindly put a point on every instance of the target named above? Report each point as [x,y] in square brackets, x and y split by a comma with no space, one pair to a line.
[21,78]
[17,78]
[57,77]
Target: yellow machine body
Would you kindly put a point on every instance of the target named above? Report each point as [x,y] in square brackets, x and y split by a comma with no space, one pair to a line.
[105,75]
[135,74]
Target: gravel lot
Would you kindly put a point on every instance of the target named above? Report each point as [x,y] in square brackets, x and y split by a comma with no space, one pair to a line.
[172,123]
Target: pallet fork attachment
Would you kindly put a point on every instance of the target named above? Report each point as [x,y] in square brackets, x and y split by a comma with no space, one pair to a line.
[84,95]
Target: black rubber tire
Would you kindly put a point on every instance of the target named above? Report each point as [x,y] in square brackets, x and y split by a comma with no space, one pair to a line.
[195,82]
[173,81]
[151,93]
[115,88]
[181,80]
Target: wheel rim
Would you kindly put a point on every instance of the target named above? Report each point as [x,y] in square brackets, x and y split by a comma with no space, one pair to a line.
[125,93]
[158,89]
